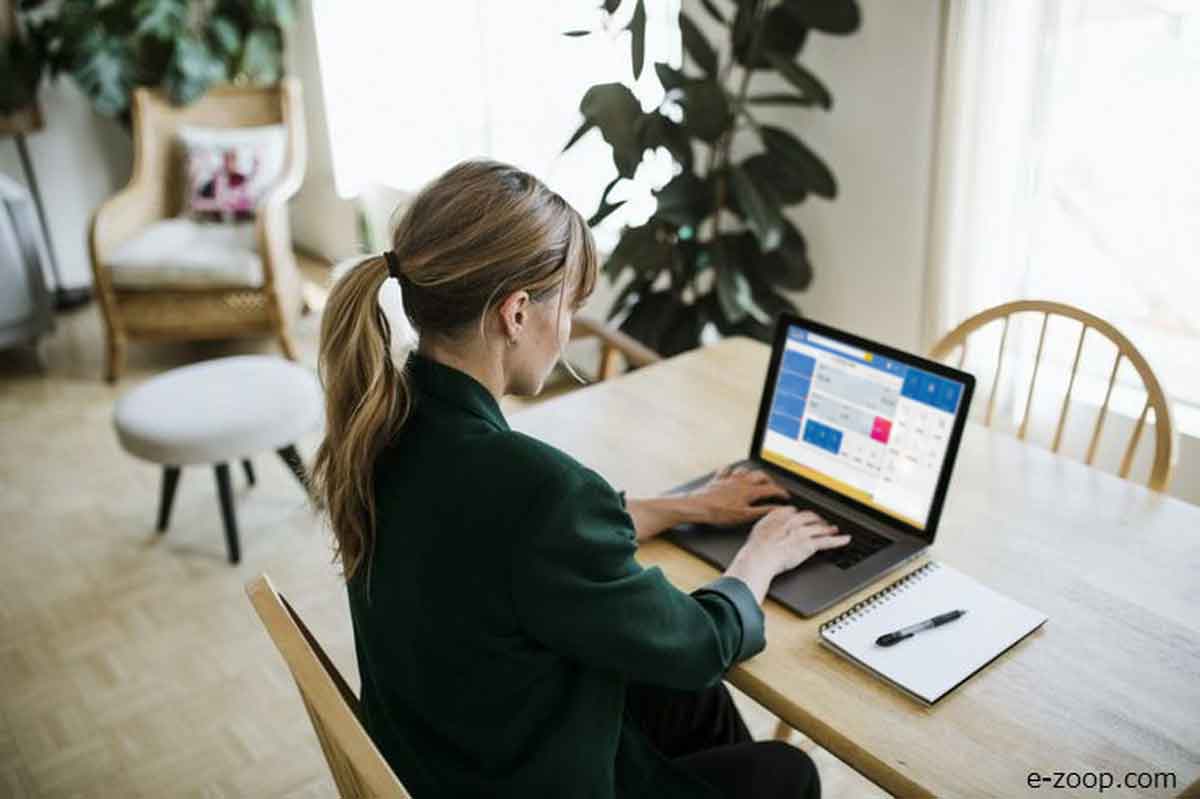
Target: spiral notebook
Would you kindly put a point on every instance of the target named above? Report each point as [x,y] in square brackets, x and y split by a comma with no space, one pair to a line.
[934,662]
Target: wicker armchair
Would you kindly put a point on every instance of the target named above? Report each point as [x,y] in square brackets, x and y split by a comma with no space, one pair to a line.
[155,193]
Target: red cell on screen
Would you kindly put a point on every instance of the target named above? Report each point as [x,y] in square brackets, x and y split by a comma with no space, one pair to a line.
[881,430]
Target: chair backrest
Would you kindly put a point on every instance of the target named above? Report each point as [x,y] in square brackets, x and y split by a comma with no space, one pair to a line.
[357,766]
[1166,445]
[156,121]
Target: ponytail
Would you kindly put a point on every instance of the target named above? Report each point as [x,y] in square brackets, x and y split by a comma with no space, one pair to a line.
[366,402]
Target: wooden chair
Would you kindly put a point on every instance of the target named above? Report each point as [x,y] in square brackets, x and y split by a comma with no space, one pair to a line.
[155,193]
[358,768]
[614,345]
[1165,437]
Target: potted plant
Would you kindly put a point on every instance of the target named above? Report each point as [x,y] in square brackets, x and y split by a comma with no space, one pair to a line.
[183,46]
[719,248]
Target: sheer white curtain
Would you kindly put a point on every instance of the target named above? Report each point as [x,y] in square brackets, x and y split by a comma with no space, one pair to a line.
[1069,170]
[411,89]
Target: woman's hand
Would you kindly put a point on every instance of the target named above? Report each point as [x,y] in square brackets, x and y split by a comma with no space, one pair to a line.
[727,499]
[779,542]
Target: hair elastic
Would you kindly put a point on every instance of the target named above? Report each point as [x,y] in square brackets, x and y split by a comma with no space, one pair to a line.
[393,263]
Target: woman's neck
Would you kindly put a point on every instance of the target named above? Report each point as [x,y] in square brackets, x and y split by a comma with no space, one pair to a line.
[483,366]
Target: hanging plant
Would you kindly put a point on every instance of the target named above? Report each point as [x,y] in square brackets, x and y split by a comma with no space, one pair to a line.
[720,234]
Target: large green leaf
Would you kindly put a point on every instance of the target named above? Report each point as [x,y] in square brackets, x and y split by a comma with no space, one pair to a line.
[828,16]
[583,128]
[262,56]
[606,207]
[655,130]
[103,70]
[21,65]
[654,313]
[193,70]
[670,78]
[787,266]
[697,46]
[684,201]
[225,36]
[760,208]
[780,98]
[705,109]
[781,33]
[613,108]
[273,12]
[713,11]
[735,295]
[162,19]
[789,185]
[801,78]
[640,249]
[637,30]
[793,154]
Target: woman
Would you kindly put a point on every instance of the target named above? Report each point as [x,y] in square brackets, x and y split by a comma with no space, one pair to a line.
[508,641]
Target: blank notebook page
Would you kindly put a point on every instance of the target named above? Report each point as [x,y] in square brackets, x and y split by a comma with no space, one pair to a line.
[932,662]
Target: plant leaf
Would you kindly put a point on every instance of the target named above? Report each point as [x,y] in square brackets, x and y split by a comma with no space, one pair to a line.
[161,19]
[787,266]
[780,99]
[781,33]
[225,36]
[576,33]
[697,45]
[705,109]
[262,56]
[787,183]
[192,70]
[670,78]
[606,207]
[579,133]
[656,130]
[613,108]
[651,315]
[827,16]
[760,207]
[795,155]
[640,249]
[103,71]
[713,12]
[735,295]
[637,27]
[272,12]
[801,78]
[684,201]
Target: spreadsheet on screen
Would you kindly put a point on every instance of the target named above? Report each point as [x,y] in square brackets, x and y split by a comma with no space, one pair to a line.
[869,427]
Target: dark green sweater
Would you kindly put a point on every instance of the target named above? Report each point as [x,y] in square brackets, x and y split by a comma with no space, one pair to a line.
[503,613]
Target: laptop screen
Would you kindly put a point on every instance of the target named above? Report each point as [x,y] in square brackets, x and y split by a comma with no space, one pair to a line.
[869,427]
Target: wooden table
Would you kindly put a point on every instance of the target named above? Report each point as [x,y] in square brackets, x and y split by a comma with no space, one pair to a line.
[1111,683]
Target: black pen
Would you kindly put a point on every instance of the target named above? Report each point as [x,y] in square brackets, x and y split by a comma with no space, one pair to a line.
[908,632]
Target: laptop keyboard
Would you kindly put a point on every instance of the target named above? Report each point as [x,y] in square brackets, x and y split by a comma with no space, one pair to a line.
[863,542]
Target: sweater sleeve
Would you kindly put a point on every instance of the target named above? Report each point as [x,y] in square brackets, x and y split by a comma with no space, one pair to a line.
[579,591]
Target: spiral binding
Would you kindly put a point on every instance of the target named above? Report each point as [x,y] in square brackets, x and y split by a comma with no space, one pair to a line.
[876,599]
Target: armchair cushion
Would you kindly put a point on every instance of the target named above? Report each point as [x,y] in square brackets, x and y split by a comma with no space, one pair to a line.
[184,253]
[228,170]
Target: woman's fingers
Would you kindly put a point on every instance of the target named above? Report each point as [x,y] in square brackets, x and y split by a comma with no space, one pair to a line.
[830,541]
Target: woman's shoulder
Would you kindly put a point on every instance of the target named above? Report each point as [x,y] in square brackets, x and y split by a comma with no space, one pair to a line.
[534,458]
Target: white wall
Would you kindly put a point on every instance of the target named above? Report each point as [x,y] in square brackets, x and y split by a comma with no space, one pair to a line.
[868,246]
[79,158]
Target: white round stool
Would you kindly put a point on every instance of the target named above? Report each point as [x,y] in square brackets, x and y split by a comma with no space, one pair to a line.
[216,412]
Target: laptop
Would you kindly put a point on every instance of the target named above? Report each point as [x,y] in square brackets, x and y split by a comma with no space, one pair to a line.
[862,434]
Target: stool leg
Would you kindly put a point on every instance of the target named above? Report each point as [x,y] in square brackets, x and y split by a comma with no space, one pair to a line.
[249,467]
[170,479]
[225,493]
[292,458]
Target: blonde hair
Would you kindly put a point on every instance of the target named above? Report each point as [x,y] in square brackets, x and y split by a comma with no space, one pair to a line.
[471,237]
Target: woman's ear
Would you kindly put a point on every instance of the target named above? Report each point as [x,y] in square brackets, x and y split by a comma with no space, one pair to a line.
[514,313]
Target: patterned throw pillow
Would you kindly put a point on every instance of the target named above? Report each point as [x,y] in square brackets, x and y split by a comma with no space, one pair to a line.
[228,170]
